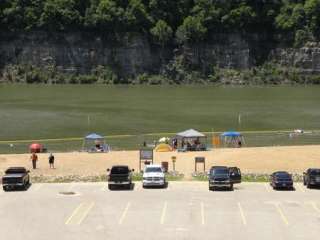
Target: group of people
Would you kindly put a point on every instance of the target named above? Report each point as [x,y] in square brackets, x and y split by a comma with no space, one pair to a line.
[191,145]
[34,160]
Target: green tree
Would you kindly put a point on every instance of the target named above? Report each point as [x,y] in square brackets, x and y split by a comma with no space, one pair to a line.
[241,17]
[191,30]
[162,32]
[136,16]
[60,15]
[312,9]
[291,17]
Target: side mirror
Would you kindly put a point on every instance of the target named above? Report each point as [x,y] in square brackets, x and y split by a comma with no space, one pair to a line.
[132,170]
[108,170]
[28,171]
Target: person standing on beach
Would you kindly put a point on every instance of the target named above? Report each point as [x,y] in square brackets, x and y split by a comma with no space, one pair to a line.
[34,159]
[51,160]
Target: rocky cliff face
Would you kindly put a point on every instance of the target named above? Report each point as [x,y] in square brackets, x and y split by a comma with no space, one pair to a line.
[133,55]
[307,58]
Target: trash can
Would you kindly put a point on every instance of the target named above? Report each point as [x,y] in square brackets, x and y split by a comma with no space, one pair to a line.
[165,166]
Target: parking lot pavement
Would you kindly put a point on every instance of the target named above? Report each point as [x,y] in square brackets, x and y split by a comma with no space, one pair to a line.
[184,210]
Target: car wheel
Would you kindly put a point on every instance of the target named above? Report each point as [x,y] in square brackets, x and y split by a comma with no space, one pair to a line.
[231,187]
[5,188]
[308,185]
[304,182]
[110,187]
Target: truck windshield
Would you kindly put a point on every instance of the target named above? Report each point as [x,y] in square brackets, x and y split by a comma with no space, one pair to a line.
[15,171]
[120,170]
[220,171]
[153,169]
[315,172]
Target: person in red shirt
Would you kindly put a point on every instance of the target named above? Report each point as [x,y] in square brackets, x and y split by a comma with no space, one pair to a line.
[34,159]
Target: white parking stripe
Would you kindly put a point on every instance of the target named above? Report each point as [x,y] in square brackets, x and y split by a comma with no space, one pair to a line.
[202,213]
[163,213]
[123,216]
[243,217]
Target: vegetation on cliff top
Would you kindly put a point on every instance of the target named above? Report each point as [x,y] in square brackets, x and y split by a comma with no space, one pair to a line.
[166,20]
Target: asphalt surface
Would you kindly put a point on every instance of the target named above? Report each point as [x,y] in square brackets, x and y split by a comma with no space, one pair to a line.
[185,210]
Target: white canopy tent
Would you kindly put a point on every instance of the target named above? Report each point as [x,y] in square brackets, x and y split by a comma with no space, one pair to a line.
[189,140]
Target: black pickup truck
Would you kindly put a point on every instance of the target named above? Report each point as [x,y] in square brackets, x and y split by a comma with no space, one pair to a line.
[16,177]
[120,176]
[311,178]
[223,177]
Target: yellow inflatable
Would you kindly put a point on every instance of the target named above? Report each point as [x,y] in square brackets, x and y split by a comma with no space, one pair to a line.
[162,147]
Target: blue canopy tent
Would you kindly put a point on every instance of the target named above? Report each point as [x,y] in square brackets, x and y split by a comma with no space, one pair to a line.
[232,139]
[95,143]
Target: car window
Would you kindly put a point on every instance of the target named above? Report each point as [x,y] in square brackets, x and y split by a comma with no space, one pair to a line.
[119,170]
[283,175]
[153,169]
[315,172]
[220,171]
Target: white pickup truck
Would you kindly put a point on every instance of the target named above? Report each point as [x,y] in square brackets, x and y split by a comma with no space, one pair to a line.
[154,176]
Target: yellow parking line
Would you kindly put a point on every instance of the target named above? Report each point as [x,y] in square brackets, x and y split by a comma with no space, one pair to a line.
[37,187]
[85,213]
[267,187]
[202,213]
[163,213]
[243,217]
[315,207]
[79,214]
[124,213]
[300,187]
[74,214]
[283,217]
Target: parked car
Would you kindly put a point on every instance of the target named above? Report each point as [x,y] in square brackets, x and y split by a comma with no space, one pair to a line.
[153,176]
[281,179]
[223,177]
[120,176]
[16,178]
[311,178]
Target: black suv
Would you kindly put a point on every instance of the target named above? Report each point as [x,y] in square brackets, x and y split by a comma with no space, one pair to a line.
[311,178]
[281,179]
[120,176]
[16,177]
[223,177]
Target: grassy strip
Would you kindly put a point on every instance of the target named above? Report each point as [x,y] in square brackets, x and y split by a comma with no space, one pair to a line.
[93,178]
[248,177]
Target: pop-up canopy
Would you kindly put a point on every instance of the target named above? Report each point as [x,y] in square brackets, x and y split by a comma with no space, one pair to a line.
[94,136]
[232,139]
[191,133]
[95,143]
[231,134]
[189,140]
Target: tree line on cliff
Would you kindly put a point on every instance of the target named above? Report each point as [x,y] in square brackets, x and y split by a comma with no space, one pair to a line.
[166,21]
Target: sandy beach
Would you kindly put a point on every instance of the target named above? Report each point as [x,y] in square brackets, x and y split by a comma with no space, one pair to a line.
[250,160]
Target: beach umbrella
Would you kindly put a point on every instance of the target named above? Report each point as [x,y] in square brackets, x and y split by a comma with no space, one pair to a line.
[35,147]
